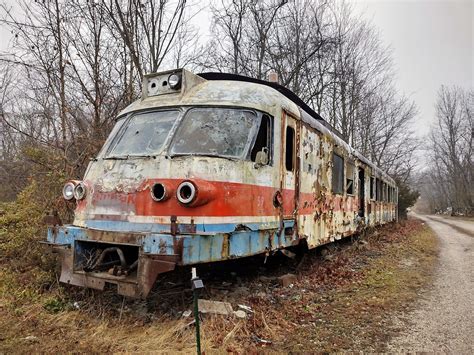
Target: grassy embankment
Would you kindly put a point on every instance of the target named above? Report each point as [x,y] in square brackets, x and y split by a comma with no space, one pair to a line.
[343,300]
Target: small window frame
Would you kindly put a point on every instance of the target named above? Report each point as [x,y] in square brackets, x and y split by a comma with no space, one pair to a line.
[290,167]
[340,184]
[349,186]
[378,190]
[270,138]
[372,188]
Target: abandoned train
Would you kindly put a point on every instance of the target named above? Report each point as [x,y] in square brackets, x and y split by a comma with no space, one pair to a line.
[211,167]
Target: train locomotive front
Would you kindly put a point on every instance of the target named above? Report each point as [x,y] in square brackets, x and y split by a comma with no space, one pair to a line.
[186,176]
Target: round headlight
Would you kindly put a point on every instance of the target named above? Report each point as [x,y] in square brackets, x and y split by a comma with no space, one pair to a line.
[80,191]
[174,81]
[186,192]
[68,191]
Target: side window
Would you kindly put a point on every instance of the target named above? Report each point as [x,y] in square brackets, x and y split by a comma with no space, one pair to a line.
[350,178]
[372,181]
[264,139]
[337,174]
[377,190]
[290,148]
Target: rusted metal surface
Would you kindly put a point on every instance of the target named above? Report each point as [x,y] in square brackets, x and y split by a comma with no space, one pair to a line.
[240,208]
[129,237]
[134,285]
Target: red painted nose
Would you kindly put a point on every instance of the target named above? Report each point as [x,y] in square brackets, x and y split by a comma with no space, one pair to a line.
[195,193]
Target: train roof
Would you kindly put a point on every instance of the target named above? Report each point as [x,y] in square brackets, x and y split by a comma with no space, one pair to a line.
[283,90]
[308,115]
[220,89]
[280,88]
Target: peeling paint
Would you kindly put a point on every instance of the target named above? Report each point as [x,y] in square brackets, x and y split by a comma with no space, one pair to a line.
[240,209]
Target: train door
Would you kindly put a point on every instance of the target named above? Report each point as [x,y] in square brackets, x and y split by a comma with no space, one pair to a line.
[289,178]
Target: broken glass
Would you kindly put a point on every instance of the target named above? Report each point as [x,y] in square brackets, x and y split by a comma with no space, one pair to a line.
[145,133]
[223,132]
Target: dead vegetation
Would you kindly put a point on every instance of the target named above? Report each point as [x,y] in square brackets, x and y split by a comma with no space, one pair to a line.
[343,299]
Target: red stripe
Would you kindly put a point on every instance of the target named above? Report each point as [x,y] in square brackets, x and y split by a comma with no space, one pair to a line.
[228,199]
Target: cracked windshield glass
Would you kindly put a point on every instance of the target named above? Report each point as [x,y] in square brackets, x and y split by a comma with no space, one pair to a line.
[215,131]
[145,133]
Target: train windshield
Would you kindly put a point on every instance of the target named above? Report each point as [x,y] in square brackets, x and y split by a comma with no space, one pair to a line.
[144,134]
[223,132]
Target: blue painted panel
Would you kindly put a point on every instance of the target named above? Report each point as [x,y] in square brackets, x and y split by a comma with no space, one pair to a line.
[259,242]
[202,248]
[65,234]
[196,248]
[158,244]
[240,244]
[124,226]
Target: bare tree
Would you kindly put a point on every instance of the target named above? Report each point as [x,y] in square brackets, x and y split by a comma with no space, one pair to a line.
[451,151]
[40,44]
[147,28]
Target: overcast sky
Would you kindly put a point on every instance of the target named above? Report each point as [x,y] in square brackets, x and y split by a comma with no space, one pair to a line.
[432,44]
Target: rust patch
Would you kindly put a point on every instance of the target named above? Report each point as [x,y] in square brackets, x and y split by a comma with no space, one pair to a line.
[162,246]
[174,226]
[139,286]
[225,247]
[178,246]
[187,228]
[115,237]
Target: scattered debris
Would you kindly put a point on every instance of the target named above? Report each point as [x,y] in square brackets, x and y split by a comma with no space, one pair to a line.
[76,305]
[246,308]
[187,325]
[215,307]
[240,314]
[287,280]
[187,313]
[260,340]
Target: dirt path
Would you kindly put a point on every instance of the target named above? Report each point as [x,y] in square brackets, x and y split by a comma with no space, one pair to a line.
[443,321]
[461,225]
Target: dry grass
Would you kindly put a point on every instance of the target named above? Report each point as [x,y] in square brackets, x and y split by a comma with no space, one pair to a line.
[341,302]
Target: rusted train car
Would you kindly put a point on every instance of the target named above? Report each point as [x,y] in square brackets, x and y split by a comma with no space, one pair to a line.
[212,167]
